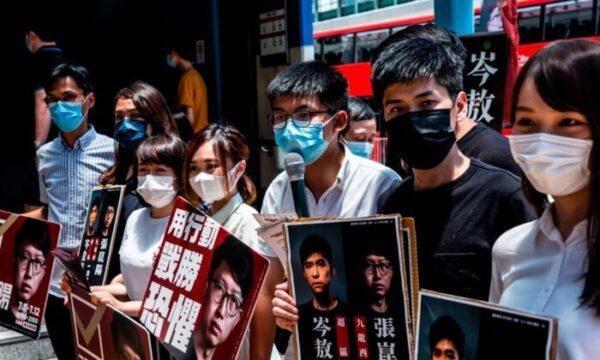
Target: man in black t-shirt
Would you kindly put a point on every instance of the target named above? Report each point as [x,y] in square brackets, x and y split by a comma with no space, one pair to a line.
[460,205]
[486,144]
[39,40]
[475,140]
[323,321]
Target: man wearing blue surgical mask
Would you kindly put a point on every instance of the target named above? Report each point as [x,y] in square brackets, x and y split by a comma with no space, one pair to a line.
[309,111]
[362,128]
[309,102]
[69,167]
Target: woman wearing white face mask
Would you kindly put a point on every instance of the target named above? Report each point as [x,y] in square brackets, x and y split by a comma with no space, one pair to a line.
[552,265]
[214,170]
[160,160]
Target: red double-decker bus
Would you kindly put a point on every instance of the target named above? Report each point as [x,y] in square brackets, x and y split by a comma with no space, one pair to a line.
[347,42]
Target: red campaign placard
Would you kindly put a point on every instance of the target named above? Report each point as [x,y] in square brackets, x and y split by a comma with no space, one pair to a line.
[25,268]
[204,286]
[341,330]
[102,332]
[360,329]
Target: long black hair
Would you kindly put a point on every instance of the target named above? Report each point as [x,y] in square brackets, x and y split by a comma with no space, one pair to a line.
[566,75]
[154,109]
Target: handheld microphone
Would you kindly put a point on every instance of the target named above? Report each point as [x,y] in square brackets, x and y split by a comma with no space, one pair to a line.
[294,167]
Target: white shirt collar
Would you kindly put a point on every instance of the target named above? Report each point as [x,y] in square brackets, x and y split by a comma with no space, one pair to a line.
[225,212]
[548,229]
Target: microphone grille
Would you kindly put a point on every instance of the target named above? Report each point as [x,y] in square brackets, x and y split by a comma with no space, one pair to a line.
[294,165]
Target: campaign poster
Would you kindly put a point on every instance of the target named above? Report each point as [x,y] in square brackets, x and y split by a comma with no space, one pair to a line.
[349,281]
[461,328]
[99,233]
[484,77]
[203,289]
[25,267]
[102,332]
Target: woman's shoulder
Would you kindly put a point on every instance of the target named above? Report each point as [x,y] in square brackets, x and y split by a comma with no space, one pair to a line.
[138,215]
[515,239]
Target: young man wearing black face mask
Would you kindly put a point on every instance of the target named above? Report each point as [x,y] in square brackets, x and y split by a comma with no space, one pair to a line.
[460,205]
[474,139]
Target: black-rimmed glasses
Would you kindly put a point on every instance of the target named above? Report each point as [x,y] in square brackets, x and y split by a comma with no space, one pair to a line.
[301,118]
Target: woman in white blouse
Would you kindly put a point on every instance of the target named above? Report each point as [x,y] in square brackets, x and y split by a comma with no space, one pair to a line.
[215,166]
[552,265]
[160,160]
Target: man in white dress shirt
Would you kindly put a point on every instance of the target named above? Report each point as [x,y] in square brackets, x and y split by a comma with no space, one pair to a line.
[309,111]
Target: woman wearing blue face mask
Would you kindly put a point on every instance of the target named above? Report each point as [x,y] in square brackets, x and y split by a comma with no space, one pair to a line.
[214,173]
[140,111]
[552,265]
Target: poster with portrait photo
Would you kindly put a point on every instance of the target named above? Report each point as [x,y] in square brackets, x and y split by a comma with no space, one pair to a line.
[349,281]
[409,246]
[462,328]
[25,268]
[203,287]
[102,332]
[97,244]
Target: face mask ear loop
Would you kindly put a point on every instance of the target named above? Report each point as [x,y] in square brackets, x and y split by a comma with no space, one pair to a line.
[87,109]
[327,123]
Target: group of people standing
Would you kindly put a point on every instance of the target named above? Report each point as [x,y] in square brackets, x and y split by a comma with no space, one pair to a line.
[520,232]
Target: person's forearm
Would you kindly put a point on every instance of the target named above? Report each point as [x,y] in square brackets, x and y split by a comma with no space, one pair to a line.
[262,329]
[42,118]
[39,213]
[131,308]
[189,112]
[116,289]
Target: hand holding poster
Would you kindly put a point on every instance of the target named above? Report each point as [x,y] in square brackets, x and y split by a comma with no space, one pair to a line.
[348,278]
[203,288]
[99,233]
[471,329]
[25,267]
[102,332]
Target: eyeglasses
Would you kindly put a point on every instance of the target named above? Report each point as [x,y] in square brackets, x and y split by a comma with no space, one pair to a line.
[302,118]
[383,268]
[25,262]
[218,294]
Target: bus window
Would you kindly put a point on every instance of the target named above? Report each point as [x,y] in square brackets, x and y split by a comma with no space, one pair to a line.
[529,24]
[338,49]
[318,49]
[327,9]
[568,19]
[365,5]
[348,7]
[367,41]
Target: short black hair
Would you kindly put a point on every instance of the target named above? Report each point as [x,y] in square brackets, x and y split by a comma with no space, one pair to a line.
[315,244]
[419,52]
[167,150]
[240,261]
[76,72]
[359,110]
[446,328]
[184,46]
[311,78]
[34,232]
[97,201]
[124,332]
[43,25]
